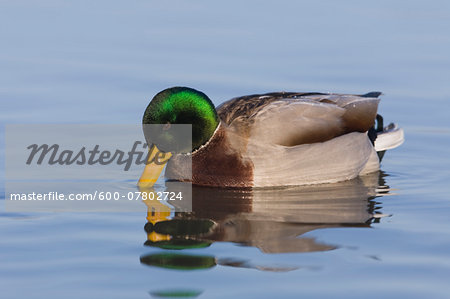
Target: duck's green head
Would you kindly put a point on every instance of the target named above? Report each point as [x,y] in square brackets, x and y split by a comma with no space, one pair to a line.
[181,105]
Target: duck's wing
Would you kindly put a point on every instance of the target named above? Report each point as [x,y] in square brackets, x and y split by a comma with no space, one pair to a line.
[289,118]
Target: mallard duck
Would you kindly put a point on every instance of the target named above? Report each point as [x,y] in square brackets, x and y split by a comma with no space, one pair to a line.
[272,139]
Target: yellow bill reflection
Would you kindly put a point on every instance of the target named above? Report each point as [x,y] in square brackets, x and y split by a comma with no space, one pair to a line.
[157,211]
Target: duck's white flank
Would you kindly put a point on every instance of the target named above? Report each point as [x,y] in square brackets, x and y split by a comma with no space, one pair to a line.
[338,159]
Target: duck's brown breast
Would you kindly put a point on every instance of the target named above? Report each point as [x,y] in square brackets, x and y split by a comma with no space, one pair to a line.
[219,164]
[215,164]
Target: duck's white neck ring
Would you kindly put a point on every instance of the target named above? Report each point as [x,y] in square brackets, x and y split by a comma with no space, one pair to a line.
[206,144]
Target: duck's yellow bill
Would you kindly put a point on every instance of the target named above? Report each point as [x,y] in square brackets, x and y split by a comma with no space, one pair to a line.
[153,170]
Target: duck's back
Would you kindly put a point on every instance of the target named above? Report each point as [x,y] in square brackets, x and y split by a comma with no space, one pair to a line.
[293,118]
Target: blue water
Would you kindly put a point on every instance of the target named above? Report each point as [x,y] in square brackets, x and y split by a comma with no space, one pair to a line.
[102,61]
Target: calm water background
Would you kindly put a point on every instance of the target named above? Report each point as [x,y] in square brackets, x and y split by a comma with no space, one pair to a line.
[102,61]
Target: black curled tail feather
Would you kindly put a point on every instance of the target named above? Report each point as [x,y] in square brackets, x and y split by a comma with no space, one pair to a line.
[378,127]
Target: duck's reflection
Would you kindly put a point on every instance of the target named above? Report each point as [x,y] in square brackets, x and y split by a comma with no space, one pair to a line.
[272,220]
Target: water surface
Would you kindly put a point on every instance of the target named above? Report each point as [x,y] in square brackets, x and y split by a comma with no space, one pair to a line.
[385,235]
